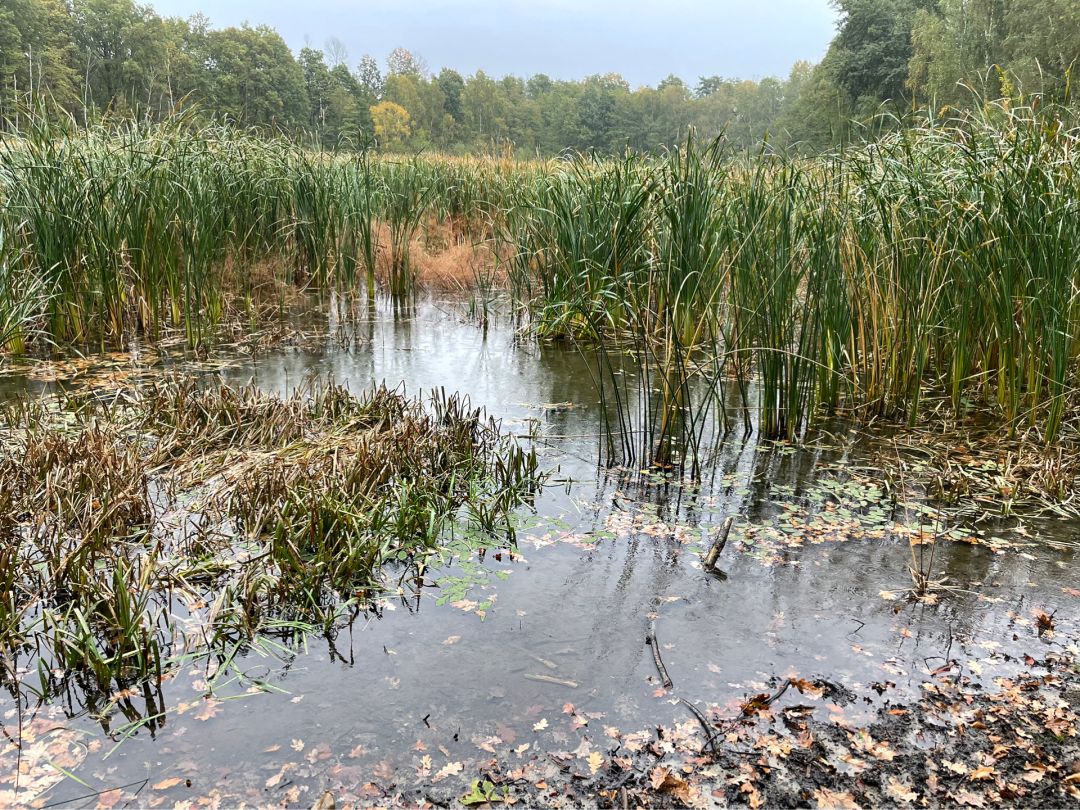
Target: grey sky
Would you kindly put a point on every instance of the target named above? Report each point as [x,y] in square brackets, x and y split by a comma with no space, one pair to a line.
[644,40]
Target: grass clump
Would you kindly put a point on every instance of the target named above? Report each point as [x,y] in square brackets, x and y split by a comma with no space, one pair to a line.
[184,521]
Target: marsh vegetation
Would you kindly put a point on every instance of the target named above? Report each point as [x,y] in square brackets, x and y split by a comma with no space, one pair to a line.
[877,347]
[189,523]
[932,269]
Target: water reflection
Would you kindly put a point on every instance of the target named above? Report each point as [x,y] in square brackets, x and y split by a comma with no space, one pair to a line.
[569,608]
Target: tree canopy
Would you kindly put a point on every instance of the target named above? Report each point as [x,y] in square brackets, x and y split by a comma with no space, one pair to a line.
[93,58]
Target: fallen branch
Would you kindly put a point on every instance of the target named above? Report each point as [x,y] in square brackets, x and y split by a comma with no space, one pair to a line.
[651,641]
[718,546]
[710,738]
[552,679]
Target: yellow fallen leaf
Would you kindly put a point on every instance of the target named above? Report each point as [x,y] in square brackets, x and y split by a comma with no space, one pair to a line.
[541,725]
[165,784]
[595,761]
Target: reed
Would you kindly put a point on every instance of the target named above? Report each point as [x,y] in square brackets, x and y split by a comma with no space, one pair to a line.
[936,261]
[406,197]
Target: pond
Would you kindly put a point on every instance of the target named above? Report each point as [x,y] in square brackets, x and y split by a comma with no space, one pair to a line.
[528,671]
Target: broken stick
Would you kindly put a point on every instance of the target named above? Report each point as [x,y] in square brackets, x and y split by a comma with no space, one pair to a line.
[552,679]
[718,546]
[651,641]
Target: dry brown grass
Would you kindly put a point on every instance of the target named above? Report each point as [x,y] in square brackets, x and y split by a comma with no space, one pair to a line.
[441,259]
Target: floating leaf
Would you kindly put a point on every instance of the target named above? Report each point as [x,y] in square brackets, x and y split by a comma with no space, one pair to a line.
[595,760]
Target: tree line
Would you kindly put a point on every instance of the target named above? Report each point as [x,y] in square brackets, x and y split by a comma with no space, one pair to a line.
[903,58]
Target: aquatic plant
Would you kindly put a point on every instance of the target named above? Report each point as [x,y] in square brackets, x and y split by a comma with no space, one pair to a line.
[251,511]
[937,261]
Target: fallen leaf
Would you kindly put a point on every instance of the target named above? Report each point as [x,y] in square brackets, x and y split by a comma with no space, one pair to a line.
[385,771]
[899,791]
[424,769]
[447,770]
[165,784]
[595,760]
[664,781]
[829,799]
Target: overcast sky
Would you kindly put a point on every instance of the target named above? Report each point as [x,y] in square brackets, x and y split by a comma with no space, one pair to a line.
[644,40]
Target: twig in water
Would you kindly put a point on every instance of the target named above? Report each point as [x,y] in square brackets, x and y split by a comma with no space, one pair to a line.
[718,546]
[547,663]
[710,738]
[552,679]
[651,641]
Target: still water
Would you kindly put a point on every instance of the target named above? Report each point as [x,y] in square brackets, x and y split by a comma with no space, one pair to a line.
[419,693]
